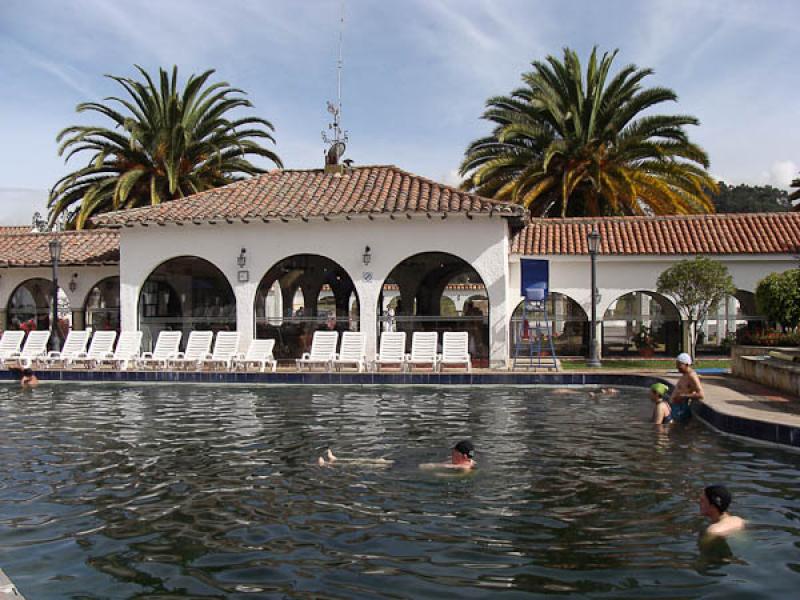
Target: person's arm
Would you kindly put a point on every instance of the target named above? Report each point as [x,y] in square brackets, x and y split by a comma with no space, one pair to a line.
[659,413]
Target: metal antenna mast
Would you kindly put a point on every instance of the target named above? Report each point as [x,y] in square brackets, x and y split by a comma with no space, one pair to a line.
[338,141]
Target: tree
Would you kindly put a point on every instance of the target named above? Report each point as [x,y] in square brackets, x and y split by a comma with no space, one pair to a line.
[573,146]
[744,198]
[696,286]
[166,143]
[778,298]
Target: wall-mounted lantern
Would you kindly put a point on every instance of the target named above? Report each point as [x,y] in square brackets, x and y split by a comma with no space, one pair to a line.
[366,257]
[241,260]
[73,283]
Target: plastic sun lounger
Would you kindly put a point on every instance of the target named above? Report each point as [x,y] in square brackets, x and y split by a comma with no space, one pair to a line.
[166,348]
[198,346]
[392,350]
[102,344]
[259,354]
[352,352]
[74,345]
[225,348]
[423,350]
[35,347]
[126,352]
[10,344]
[455,350]
[323,350]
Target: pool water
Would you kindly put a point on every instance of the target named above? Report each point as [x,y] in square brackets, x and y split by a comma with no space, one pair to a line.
[213,492]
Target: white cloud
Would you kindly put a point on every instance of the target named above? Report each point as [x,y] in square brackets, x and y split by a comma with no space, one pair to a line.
[782,173]
[17,205]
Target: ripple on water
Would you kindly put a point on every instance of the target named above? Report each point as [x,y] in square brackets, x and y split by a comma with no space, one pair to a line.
[117,492]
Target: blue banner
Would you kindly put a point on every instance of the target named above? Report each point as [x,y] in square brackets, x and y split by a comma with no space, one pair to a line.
[535,274]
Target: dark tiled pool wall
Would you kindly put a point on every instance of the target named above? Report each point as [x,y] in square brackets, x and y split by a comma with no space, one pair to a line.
[775,433]
[602,379]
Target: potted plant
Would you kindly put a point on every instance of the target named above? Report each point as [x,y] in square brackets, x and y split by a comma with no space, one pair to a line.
[644,342]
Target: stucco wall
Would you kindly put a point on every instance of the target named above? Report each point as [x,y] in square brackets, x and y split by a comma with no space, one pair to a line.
[480,241]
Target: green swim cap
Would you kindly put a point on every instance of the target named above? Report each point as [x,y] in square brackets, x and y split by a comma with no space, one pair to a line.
[659,388]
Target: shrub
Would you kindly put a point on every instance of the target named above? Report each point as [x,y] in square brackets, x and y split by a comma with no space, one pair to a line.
[778,298]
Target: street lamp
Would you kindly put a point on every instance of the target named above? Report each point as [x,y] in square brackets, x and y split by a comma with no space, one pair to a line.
[55,255]
[593,240]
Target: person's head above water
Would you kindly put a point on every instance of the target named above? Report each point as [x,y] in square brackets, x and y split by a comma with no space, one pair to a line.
[657,391]
[715,501]
[463,452]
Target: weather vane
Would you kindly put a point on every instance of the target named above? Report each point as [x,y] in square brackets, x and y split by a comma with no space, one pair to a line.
[337,140]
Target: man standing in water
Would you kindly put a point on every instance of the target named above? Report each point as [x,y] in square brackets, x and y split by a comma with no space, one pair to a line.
[687,389]
[714,503]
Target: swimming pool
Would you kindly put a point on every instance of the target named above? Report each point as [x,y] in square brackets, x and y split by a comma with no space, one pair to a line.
[207,492]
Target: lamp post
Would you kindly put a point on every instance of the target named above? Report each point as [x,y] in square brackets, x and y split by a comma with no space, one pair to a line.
[593,240]
[55,255]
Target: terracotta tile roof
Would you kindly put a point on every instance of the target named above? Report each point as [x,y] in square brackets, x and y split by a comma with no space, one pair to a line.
[15,229]
[296,194]
[751,233]
[96,247]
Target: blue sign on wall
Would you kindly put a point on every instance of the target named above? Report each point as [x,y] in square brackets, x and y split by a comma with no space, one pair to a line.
[535,274]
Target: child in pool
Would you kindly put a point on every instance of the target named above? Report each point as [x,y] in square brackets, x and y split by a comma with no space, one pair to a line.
[461,458]
[714,503]
[662,413]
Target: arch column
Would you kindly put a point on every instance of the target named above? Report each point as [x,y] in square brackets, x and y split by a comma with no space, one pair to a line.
[368,292]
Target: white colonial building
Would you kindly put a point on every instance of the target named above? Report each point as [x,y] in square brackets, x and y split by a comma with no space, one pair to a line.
[375,248]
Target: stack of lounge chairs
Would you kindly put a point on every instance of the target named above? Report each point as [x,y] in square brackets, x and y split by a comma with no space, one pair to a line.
[206,352]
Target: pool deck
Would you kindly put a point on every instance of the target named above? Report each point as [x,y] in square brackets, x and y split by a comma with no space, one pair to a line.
[7,589]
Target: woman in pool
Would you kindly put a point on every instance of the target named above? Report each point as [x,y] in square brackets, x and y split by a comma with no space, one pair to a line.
[461,458]
[714,503]
[662,413]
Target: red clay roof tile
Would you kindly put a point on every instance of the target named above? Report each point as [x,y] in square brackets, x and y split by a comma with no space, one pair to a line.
[78,248]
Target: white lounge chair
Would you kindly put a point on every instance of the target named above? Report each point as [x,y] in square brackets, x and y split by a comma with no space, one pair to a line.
[225,347]
[323,350]
[392,350]
[353,351]
[455,350]
[10,343]
[423,350]
[259,354]
[74,345]
[198,346]
[126,352]
[35,348]
[102,344]
[166,348]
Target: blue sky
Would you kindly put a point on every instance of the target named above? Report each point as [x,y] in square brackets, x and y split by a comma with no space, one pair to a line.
[416,75]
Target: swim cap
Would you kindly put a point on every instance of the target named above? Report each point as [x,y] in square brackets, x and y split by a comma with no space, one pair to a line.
[684,358]
[659,388]
[718,496]
[465,447]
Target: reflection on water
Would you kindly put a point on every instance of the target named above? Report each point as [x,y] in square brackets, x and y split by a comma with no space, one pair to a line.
[122,492]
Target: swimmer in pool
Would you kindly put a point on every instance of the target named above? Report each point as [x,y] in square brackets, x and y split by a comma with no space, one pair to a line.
[686,390]
[28,379]
[714,503]
[329,458]
[662,413]
[461,458]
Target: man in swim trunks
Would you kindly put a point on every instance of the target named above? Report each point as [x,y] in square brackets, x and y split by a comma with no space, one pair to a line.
[461,458]
[687,389]
[662,413]
[714,503]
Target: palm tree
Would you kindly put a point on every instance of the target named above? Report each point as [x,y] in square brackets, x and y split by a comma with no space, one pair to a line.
[569,146]
[166,143]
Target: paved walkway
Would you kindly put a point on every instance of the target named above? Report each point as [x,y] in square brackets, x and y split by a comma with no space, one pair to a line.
[742,398]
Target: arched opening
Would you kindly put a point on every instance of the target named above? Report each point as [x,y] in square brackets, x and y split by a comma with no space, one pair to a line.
[436,291]
[185,294]
[568,322]
[641,323]
[733,314]
[102,306]
[299,295]
[30,307]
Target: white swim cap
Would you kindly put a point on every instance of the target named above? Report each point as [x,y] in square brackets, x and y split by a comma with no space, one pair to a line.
[684,358]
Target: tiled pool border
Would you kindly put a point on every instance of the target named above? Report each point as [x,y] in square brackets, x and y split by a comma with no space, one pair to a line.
[777,433]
